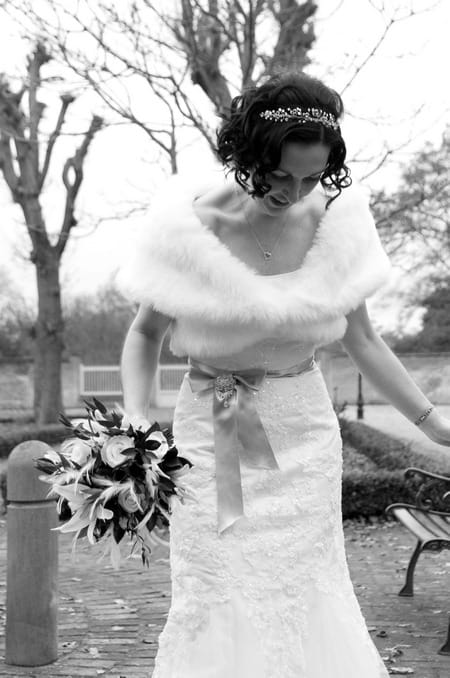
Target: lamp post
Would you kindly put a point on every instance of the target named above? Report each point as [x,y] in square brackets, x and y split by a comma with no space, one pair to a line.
[360,399]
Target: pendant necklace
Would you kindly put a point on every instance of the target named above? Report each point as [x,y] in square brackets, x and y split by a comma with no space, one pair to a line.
[266,252]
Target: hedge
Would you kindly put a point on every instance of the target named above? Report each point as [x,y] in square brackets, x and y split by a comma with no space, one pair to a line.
[369,493]
[52,434]
[365,493]
[390,453]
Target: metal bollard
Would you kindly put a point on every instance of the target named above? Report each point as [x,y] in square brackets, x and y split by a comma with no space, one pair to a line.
[32,573]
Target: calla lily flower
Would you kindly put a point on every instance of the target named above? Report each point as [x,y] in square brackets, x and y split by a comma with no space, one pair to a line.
[118,476]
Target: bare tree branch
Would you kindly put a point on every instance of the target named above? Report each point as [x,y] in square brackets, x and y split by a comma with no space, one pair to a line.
[66,100]
[72,179]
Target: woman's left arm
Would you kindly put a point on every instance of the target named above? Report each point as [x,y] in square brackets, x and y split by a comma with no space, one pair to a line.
[375,361]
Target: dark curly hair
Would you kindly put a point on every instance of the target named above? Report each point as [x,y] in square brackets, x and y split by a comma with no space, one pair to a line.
[245,141]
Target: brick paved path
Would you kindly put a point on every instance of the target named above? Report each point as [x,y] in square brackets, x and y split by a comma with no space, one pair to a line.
[110,621]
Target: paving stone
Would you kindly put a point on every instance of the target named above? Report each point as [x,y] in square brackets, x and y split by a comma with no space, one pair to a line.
[109,621]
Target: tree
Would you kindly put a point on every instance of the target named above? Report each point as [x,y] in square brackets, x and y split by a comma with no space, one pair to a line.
[414,225]
[414,221]
[156,52]
[17,320]
[435,333]
[25,160]
[165,66]
[96,324]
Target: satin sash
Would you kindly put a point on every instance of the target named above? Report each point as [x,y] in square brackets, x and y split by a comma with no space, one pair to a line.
[238,431]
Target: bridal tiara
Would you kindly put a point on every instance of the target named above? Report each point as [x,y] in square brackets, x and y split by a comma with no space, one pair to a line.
[301,115]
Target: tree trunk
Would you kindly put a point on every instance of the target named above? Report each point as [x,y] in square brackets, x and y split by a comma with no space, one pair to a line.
[49,340]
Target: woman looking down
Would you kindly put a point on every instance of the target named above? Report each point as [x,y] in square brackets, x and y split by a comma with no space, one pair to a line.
[251,273]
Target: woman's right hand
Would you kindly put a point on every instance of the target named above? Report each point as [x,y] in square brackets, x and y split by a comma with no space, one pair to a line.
[437,428]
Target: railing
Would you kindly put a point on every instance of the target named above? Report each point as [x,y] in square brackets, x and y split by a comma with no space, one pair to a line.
[100,380]
[104,380]
[167,383]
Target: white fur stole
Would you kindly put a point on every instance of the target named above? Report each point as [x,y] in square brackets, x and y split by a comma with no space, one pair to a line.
[183,270]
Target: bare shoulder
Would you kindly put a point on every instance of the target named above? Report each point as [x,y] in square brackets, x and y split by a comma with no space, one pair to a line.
[211,207]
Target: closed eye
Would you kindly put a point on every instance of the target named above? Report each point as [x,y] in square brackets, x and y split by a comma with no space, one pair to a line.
[280,175]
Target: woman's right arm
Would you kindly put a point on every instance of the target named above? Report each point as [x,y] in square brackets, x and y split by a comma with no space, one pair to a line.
[140,355]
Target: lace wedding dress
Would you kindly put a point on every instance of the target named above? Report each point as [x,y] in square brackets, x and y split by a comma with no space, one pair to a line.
[269,596]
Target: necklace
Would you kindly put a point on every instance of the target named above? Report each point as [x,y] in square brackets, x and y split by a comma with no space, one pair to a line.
[266,251]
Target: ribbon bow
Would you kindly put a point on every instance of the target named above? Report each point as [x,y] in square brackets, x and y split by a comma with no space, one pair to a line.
[238,432]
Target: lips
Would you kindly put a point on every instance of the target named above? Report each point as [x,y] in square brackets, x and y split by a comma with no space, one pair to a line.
[278,203]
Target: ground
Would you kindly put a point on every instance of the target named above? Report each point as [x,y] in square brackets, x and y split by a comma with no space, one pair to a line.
[110,621]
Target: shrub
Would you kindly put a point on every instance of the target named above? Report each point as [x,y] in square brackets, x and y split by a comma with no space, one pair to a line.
[374,465]
[367,492]
[355,461]
[52,434]
[388,453]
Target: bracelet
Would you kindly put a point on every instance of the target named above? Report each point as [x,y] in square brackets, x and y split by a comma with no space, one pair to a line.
[423,416]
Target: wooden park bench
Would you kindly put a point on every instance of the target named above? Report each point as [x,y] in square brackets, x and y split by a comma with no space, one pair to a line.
[428,519]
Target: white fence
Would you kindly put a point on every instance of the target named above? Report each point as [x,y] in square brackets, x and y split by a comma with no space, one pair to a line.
[104,380]
[167,383]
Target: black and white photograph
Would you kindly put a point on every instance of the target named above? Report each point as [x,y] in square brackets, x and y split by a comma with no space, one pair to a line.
[224,338]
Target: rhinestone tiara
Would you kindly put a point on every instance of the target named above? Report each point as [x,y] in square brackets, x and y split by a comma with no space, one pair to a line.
[300,115]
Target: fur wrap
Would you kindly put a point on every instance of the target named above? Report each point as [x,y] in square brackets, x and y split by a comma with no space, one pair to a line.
[220,305]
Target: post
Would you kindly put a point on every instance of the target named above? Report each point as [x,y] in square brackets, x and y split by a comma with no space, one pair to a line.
[32,570]
[360,401]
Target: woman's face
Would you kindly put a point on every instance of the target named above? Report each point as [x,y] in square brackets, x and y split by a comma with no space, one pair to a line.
[301,166]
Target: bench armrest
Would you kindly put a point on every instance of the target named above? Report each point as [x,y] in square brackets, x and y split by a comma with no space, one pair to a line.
[432,489]
[412,471]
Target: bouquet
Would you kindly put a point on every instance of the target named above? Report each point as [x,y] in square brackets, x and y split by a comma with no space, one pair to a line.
[114,479]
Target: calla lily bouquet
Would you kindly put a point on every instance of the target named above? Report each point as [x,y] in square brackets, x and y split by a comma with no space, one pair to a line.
[114,479]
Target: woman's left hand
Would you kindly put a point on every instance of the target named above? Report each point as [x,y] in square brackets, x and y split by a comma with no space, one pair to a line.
[437,428]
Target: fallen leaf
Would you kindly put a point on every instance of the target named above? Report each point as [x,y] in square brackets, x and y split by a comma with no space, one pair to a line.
[93,651]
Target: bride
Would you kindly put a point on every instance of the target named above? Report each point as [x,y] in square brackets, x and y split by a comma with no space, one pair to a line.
[251,273]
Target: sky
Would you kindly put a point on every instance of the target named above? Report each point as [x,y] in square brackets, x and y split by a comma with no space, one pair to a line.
[398,101]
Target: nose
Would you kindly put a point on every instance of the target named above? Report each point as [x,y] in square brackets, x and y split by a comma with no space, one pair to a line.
[294,191]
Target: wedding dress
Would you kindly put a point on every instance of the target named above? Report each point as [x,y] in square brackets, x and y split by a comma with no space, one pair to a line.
[269,596]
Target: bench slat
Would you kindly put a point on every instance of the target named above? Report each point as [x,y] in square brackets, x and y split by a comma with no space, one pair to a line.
[412,523]
[434,523]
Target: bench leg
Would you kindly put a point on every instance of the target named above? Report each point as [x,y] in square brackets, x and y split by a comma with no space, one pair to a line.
[445,649]
[408,588]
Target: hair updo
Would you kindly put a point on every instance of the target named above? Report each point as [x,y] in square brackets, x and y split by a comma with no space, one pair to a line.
[245,141]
